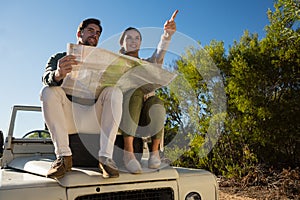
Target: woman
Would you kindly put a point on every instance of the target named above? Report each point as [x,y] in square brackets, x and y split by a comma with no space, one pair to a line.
[138,104]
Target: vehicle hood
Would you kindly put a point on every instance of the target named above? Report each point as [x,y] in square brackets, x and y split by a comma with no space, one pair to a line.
[90,176]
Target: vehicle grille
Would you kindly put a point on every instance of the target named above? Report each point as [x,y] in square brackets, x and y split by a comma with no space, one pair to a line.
[149,194]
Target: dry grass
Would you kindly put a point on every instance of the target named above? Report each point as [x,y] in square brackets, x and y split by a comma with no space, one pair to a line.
[263,185]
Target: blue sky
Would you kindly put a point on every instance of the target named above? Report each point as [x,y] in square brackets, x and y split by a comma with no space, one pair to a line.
[31,31]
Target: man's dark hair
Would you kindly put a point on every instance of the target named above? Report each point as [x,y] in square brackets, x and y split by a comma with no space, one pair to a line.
[86,22]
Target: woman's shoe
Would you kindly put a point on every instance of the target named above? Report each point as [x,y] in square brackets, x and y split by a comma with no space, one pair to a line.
[154,161]
[133,166]
[131,163]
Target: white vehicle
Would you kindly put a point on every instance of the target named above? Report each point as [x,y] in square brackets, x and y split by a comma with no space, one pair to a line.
[27,156]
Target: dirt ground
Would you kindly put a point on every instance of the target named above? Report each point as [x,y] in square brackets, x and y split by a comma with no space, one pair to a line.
[262,185]
[223,195]
[252,194]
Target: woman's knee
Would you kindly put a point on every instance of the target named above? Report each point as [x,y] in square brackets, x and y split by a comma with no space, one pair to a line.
[138,92]
[136,95]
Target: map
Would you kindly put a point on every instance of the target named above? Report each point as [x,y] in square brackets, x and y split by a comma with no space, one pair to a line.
[99,68]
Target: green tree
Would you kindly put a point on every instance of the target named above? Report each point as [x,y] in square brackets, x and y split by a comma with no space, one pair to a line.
[262,82]
[281,49]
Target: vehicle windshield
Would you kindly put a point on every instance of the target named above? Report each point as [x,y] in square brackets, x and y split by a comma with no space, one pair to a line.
[30,124]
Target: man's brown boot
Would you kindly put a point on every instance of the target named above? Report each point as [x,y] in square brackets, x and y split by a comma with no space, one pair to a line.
[60,166]
[108,167]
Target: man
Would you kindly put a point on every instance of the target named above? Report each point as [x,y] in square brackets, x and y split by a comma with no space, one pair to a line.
[102,116]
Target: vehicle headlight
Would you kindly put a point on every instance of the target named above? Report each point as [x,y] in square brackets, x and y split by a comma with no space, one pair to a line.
[193,196]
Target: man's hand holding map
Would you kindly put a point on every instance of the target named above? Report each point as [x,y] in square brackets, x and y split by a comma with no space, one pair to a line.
[99,68]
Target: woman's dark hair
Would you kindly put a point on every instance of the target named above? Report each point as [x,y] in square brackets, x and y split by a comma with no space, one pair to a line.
[121,40]
[86,22]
